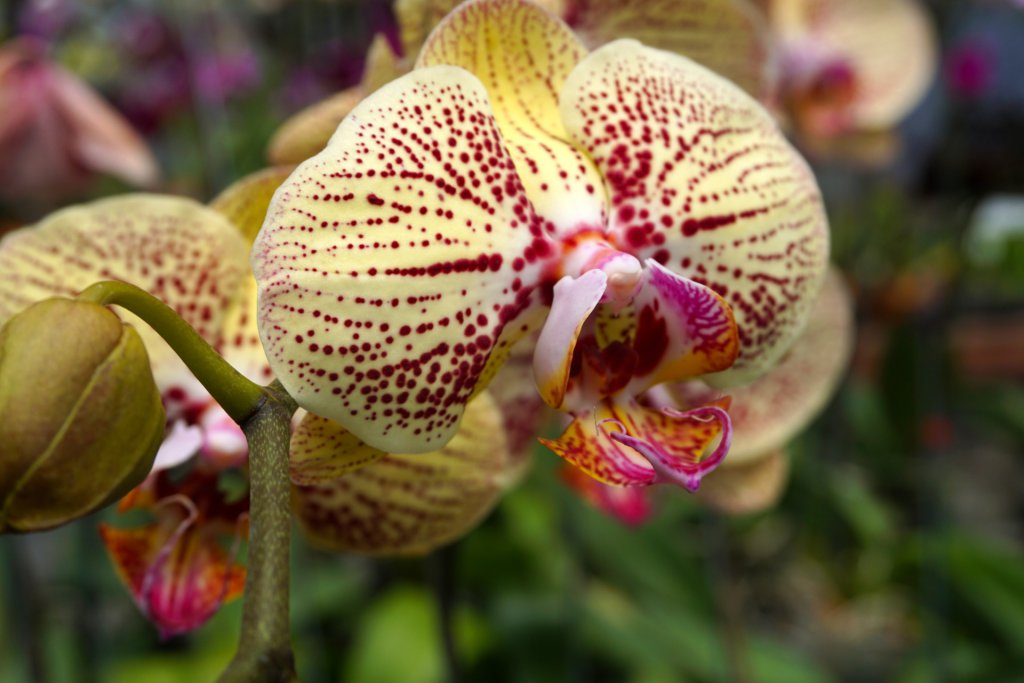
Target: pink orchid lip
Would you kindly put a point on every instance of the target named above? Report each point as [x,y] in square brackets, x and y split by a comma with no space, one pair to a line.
[667,470]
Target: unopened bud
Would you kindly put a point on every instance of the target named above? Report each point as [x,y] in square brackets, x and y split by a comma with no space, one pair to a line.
[80,415]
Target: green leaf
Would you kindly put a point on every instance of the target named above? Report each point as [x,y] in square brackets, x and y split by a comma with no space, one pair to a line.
[398,639]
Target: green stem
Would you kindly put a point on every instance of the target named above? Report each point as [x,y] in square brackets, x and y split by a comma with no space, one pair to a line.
[239,396]
[264,653]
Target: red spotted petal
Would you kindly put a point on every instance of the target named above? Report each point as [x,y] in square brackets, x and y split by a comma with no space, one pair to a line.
[410,504]
[702,181]
[397,266]
[523,54]
[523,412]
[177,570]
[626,445]
[187,255]
[322,451]
[730,37]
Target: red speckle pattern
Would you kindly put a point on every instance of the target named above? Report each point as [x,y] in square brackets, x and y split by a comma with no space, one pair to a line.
[522,55]
[701,180]
[187,255]
[410,504]
[397,266]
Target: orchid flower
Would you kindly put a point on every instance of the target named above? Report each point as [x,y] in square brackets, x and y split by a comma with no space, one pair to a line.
[194,259]
[56,133]
[180,567]
[645,215]
[730,37]
[852,69]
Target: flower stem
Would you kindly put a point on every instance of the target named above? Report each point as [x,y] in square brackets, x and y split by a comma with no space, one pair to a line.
[239,396]
[264,653]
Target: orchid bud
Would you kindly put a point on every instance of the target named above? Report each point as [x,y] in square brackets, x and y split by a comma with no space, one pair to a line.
[80,415]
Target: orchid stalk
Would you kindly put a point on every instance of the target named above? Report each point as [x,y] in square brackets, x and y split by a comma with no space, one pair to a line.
[264,651]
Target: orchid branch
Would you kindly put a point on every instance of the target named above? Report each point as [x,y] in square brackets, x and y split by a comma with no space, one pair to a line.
[264,650]
[239,396]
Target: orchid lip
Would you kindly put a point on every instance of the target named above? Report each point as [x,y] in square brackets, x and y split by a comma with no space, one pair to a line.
[687,475]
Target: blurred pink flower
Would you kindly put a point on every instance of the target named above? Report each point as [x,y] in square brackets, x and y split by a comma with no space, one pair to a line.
[221,76]
[56,133]
[969,69]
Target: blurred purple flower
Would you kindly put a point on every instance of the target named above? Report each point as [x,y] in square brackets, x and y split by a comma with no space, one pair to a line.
[970,68]
[145,37]
[45,18]
[155,92]
[221,76]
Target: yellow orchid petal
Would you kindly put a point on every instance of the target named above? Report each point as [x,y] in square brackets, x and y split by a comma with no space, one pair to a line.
[322,450]
[702,181]
[307,132]
[397,266]
[523,54]
[382,64]
[890,47]
[245,204]
[771,411]
[245,201]
[747,488]
[417,18]
[523,412]
[189,256]
[410,504]
[730,37]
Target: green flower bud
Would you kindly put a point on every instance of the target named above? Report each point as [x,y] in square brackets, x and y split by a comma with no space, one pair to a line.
[80,416]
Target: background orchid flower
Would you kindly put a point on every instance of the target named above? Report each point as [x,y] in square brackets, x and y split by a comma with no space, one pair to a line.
[56,133]
[180,567]
[730,37]
[177,567]
[642,213]
[852,70]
